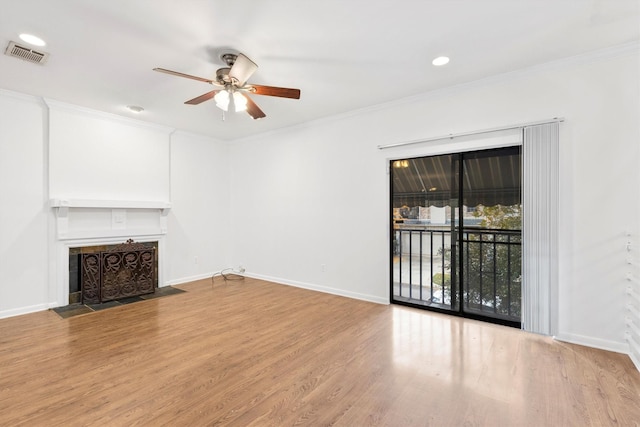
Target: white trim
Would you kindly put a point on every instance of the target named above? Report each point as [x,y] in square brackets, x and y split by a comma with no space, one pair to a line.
[584,58]
[21,96]
[634,350]
[189,279]
[62,207]
[63,106]
[635,360]
[496,139]
[112,234]
[302,285]
[206,138]
[615,346]
[469,133]
[109,204]
[323,289]
[25,310]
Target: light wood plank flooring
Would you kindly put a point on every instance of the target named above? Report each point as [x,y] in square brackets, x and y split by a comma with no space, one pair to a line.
[254,353]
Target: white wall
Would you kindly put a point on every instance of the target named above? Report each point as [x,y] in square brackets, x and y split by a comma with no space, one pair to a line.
[198,225]
[93,155]
[317,194]
[55,150]
[23,206]
[309,205]
[313,197]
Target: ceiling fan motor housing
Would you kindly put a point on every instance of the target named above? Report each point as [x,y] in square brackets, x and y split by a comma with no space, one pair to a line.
[222,76]
[229,59]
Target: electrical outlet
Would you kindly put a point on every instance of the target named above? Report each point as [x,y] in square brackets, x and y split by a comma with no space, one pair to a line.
[323,267]
[195,260]
[241,269]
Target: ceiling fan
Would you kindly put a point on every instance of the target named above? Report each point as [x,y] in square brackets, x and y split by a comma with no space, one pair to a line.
[234,88]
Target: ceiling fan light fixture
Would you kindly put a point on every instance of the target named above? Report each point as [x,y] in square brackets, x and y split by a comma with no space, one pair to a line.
[232,83]
[229,99]
[239,101]
[222,100]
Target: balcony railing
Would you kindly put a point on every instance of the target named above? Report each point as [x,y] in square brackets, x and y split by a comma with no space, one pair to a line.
[490,271]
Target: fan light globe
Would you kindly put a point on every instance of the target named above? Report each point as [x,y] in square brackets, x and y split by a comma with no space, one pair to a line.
[240,102]
[222,100]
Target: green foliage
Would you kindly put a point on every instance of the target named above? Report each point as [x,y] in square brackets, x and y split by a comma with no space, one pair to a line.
[500,217]
[437,279]
[494,261]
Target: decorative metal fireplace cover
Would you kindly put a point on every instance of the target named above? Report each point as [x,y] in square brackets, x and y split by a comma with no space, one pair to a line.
[127,270]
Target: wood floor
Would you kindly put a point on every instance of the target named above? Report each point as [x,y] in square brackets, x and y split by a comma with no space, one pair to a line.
[254,353]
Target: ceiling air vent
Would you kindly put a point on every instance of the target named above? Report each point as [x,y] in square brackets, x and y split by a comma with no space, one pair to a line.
[25,53]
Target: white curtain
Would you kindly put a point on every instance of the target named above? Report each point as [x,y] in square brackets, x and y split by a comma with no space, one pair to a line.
[540,229]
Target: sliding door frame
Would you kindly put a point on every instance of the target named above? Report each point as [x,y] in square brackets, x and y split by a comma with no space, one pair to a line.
[457,244]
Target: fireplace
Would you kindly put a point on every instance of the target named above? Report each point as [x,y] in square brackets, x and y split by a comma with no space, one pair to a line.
[95,226]
[99,274]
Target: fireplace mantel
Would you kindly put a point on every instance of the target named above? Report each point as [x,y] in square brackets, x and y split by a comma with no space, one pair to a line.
[100,218]
[91,222]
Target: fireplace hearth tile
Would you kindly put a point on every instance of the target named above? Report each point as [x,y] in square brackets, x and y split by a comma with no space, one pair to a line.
[104,305]
[129,300]
[162,292]
[72,310]
[78,309]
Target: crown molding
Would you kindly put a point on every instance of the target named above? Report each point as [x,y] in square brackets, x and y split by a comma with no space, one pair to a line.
[581,59]
[21,96]
[599,55]
[88,112]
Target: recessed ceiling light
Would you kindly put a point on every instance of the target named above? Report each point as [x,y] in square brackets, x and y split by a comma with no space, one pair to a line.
[31,39]
[135,109]
[440,60]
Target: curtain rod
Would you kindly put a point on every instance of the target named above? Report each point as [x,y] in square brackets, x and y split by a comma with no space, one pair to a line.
[476,132]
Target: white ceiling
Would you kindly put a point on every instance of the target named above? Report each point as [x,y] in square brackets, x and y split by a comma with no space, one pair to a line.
[342,54]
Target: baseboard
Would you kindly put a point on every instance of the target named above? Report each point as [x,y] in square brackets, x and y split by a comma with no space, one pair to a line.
[635,360]
[42,307]
[25,310]
[187,279]
[615,346]
[318,288]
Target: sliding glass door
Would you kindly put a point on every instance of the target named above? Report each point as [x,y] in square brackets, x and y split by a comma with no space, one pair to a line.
[424,209]
[456,241]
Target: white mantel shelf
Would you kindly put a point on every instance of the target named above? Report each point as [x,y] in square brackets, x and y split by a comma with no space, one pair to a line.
[90,224]
[109,204]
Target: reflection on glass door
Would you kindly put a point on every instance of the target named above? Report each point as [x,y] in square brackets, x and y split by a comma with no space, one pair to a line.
[456,241]
[424,194]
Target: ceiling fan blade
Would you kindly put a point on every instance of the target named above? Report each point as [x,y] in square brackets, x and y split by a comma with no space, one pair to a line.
[188,76]
[204,97]
[282,92]
[242,69]
[253,110]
